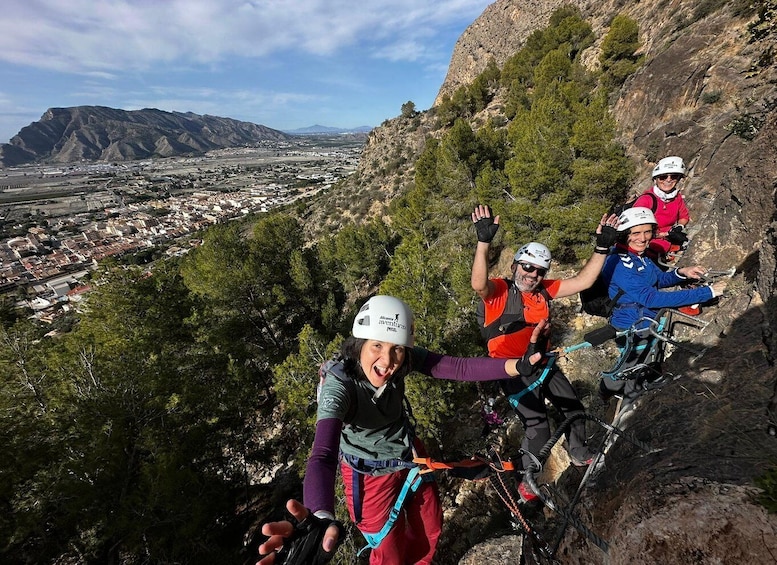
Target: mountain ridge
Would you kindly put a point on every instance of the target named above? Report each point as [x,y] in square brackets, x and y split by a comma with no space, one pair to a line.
[94,133]
[317,129]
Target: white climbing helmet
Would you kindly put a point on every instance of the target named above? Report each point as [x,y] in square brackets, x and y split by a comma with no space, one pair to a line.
[636,216]
[669,165]
[385,318]
[534,253]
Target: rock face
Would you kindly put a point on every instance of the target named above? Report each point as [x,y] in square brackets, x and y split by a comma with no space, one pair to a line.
[497,34]
[65,135]
[706,93]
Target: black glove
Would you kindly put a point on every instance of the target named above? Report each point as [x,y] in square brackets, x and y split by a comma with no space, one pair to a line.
[524,366]
[677,236]
[486,229]
[304,545]
[606,239]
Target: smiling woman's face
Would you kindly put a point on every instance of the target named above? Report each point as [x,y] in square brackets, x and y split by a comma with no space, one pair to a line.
[639,237]
[380,360]
[667,182]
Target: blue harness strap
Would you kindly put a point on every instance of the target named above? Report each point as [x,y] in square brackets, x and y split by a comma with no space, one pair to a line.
[412,482]
[356,482]
[514,399]
[638,350]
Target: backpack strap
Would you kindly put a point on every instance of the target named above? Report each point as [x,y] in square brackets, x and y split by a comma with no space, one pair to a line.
[334,368]
[613,303]
[654,199]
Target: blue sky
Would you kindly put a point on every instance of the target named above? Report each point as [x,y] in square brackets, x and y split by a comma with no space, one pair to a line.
[285,64]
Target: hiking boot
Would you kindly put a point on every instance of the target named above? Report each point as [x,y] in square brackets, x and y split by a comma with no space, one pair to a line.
[527,496]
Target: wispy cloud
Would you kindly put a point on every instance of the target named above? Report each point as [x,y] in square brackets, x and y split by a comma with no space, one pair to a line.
[283,63]
[89,35]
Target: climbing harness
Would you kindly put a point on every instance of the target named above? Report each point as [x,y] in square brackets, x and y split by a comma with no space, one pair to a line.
[363,467]
[412,482]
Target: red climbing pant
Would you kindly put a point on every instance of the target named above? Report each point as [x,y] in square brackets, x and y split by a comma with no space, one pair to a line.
[413,539]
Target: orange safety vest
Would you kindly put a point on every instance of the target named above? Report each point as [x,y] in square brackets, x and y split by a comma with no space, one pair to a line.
[508,318]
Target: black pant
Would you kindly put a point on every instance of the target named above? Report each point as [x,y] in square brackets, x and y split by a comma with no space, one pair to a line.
[534,415]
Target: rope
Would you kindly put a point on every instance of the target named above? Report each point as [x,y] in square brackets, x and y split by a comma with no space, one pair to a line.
[495,469]
[505,492]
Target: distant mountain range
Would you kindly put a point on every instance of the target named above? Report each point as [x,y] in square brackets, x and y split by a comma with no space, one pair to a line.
[97,133]
[318,130]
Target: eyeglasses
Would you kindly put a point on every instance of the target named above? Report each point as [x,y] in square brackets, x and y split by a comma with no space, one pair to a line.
[673,176]
[529,268]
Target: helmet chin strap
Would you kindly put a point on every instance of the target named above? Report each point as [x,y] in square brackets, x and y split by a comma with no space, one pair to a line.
[379,392]
[665,196]
[381,389]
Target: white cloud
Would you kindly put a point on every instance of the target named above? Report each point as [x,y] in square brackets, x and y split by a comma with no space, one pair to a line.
[108,35]
[289,62]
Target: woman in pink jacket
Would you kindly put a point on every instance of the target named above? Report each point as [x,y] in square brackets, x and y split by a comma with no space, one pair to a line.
[668,206]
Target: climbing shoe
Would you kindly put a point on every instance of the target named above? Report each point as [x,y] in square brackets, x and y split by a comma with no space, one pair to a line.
[527,496]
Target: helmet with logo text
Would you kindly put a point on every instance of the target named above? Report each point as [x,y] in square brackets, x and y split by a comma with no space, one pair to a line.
[670,165]
[636,216]
[534,253]
[385,318]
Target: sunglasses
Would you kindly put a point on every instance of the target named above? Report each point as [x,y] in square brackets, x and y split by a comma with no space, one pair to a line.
[529,268]
[673,176]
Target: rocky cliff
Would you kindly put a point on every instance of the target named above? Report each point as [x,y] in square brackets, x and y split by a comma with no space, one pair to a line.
[705,92]
[65,135]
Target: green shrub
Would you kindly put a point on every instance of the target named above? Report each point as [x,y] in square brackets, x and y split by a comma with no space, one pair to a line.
[746,126]
[711,97]
[768,484]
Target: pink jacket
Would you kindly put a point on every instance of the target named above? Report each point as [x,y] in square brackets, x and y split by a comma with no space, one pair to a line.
[667,213]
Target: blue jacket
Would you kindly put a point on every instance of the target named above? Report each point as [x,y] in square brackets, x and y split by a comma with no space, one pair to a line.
[641,280]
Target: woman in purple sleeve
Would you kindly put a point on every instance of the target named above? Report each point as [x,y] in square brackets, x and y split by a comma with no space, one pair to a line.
[364,427]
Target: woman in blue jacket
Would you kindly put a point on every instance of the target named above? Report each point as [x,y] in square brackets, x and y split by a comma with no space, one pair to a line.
[638,284]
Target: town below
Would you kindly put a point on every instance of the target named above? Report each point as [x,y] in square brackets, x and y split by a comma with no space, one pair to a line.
[58,222]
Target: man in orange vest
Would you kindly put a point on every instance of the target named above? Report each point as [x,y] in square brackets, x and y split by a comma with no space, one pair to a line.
[515,320]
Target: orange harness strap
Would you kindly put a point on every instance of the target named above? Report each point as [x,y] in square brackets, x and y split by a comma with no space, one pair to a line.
[430,464]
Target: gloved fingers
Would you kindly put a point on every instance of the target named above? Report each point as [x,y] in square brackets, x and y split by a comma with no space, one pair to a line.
[485,226]
[297,510]
[481,211]
[529,361]
[607,221]
[273,543]
[267,560]
[606,236]
[280,529]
